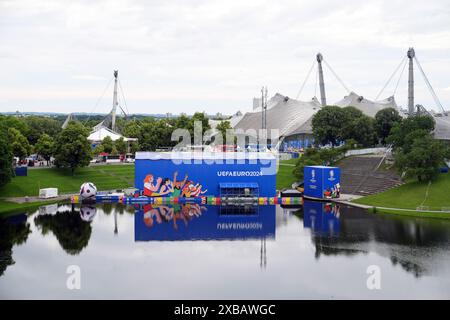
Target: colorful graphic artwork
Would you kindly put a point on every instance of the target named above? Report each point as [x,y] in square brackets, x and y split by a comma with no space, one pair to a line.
[333,192]
[161,213]
[172,188]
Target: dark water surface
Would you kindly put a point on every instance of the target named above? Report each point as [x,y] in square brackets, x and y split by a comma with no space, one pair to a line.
[213,252]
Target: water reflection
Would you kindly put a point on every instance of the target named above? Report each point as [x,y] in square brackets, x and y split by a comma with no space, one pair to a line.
[13,231]
[198,222]
[402,239]
[69,227]
[116,241]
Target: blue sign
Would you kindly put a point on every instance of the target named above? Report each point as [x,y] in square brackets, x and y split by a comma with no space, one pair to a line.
[322,182]
[197,222]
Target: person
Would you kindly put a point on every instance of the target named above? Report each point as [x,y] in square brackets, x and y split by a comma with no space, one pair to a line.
[149,187]
[166,187]
[178,185]
[197,190]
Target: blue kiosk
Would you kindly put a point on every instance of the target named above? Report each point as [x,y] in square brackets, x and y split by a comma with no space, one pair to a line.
[322,182]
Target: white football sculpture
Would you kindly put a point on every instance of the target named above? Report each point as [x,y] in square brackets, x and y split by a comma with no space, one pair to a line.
[88,190]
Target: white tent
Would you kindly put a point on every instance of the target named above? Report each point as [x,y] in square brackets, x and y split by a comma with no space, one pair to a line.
[102,132]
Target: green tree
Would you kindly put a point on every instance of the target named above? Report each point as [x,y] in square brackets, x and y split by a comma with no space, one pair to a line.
[107,144]
[327,125]
[44,146]
[39,125]
[121,145]
[424,158]
[131,129]
[385,119]
[20,146]
[400,130]
[98,149]
[155,134]
[6,159]
[313,156]
[72,148]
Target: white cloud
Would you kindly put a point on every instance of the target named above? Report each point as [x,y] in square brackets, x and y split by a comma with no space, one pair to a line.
[215,54]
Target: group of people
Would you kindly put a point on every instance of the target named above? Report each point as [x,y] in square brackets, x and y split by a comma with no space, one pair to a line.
[335,192]
[173,188]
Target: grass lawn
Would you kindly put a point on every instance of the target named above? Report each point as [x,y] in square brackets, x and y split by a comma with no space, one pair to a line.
[107,177]
[412,194]
[285,177]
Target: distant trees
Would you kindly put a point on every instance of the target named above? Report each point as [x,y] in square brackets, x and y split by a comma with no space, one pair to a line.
[45,146]
[120,145]
[6,159]
[37,126]
[385,119]
[72,148]
[333,124]
[20,146]
[107,144]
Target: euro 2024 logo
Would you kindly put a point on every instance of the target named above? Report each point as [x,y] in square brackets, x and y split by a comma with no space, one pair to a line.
[313,176]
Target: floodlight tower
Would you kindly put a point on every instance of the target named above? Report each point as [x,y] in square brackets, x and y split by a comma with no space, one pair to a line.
[411,54]
[323,98]
[115,102]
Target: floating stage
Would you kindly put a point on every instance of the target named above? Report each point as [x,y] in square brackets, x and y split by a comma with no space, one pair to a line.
[99,199]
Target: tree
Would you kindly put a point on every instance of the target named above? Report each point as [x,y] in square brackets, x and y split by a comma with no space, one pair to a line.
[20,146]
[72,148]
[424,158]
[44,146]
[400,130]
[327,125]
[155,134]
[107,144]
[39,125]
[385,119]
[222,127]
[6,159]
[121,145]
[131,129]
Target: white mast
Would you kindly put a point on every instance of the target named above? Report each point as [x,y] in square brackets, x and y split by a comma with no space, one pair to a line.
[323,98]
[115,103]
[411,54]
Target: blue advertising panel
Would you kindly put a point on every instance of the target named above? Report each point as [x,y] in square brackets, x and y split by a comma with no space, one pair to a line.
[163,174]
[322,182]
[321,217]
[199,222]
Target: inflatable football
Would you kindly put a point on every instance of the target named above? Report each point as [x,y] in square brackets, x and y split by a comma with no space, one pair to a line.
[87,213]
[88,190]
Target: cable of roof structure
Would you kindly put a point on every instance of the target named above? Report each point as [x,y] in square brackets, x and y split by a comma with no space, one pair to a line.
[400,78]
[124,101]
[336,76]
[430,87]
[99,99]
[390,78]
[306,79]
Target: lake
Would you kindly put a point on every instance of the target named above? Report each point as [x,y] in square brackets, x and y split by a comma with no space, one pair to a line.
[319,251]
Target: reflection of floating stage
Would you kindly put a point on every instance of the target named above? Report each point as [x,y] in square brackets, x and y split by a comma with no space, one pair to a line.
[181,200]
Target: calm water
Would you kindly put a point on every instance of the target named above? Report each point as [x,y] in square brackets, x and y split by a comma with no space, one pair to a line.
[211,252]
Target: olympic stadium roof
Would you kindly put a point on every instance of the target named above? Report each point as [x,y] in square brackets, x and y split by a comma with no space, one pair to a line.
[368,107]
[283,113]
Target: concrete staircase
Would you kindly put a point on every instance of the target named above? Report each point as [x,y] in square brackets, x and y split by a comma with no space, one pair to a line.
[360,175]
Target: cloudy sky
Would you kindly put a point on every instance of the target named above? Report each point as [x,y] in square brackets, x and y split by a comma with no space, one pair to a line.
[213,56]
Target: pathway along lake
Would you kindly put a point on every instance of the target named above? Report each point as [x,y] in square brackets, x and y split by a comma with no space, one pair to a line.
[213,252]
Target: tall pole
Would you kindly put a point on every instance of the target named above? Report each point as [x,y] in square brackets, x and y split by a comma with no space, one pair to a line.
[262,108]
[323,98]
[411,54]
[265,109]
[115,103]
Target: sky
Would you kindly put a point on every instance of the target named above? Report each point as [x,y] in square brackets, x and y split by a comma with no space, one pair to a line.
[213,56]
